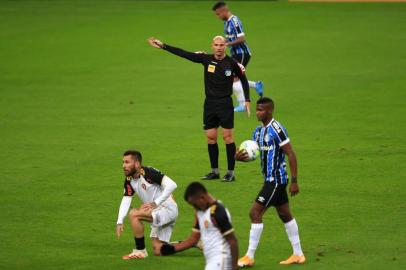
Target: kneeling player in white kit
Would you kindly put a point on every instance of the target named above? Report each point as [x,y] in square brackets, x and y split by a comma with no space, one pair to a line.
[158,208]
[213,227]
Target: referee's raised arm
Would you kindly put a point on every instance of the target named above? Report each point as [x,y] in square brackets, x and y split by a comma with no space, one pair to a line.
[194,57]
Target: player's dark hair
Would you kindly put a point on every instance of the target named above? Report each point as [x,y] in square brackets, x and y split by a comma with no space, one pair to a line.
[194,189]
[266,100]
[219,4]
[136,155]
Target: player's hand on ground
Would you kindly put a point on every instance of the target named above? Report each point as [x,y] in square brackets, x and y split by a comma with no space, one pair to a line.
[155,43]
[241,155]
[119,230]
[248,108]
[293,189]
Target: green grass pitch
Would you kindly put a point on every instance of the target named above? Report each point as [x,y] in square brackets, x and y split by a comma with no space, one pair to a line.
[79,85]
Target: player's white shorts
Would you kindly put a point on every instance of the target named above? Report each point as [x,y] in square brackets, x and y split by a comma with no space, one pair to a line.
[163,221]
[220,262]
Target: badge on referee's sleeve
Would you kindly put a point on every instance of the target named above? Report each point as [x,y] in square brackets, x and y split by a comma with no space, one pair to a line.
[211,68]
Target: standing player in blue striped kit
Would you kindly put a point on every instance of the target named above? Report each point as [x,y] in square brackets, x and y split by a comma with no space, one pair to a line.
[274,143]
[239,50]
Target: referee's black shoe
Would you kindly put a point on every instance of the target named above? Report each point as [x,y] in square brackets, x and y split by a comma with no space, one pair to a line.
[229,177]
[211,176]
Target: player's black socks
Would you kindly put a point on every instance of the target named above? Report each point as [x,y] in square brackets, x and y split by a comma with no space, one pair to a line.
[214,155]
[230,148]
[139,243]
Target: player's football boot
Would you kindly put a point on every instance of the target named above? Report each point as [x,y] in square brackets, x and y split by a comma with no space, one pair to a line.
[229,177]
[136,254]
[259,88]
[294,259]
[245,261]
[239,108]
[211,176]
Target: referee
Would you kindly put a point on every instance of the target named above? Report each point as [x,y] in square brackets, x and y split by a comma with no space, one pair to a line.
[219,72]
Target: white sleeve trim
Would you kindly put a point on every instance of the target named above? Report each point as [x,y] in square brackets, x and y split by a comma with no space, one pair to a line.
[241,34]
[124,207]
[169,186]
[284,142]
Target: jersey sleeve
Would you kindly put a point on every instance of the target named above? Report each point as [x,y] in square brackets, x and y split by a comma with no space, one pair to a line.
[279,133]
[128,189]
[237,25]
[153,175]
[221,219]
[196,226]
[194,57]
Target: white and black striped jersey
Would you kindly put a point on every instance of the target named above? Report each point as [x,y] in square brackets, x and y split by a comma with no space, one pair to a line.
[213,224]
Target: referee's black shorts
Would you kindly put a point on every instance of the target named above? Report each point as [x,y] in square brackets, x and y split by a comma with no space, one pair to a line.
[218,112]
[242,58]
[272,194]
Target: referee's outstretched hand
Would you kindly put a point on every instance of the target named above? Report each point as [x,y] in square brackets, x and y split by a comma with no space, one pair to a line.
[155,43]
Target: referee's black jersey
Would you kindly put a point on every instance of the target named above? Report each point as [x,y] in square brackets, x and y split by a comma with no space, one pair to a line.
[218,74]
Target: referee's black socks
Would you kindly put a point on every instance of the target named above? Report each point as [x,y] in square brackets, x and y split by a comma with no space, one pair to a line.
[230,148]
[214,156]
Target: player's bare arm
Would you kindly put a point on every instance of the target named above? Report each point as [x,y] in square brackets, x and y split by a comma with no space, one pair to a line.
[239,40]
[233,242]
[191,241]
[294,187]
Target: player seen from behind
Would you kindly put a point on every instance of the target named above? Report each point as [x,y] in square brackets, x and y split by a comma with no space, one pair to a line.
[213,227]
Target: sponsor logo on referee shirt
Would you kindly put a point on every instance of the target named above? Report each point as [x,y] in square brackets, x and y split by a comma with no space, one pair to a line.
[228,73]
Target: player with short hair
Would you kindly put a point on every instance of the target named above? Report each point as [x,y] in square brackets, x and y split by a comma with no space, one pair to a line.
[239,49]
[159,207]
[219,70]
[274,144]
[213,227]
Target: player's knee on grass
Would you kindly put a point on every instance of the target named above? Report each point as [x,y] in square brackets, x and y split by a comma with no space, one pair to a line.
[156,248]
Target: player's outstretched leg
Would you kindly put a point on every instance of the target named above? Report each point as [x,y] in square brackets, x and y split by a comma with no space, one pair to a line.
[213,150]
[258,86]
[292,231]
[136,217]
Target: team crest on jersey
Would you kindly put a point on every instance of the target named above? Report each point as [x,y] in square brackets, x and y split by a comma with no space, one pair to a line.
[144,187]
[206,223]
[228,73]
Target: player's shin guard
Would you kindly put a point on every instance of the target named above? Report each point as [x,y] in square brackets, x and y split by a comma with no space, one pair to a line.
[231,149]
[239,92]
[255,236]
[292,231]
[214,156]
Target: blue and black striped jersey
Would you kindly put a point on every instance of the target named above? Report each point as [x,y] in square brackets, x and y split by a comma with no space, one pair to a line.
[232,30]
[270,139]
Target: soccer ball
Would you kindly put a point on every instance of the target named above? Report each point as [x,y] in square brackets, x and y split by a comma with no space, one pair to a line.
[252,149]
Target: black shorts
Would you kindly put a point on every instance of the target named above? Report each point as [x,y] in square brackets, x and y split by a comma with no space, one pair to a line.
[272,194]
[243,59]
[218,112]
